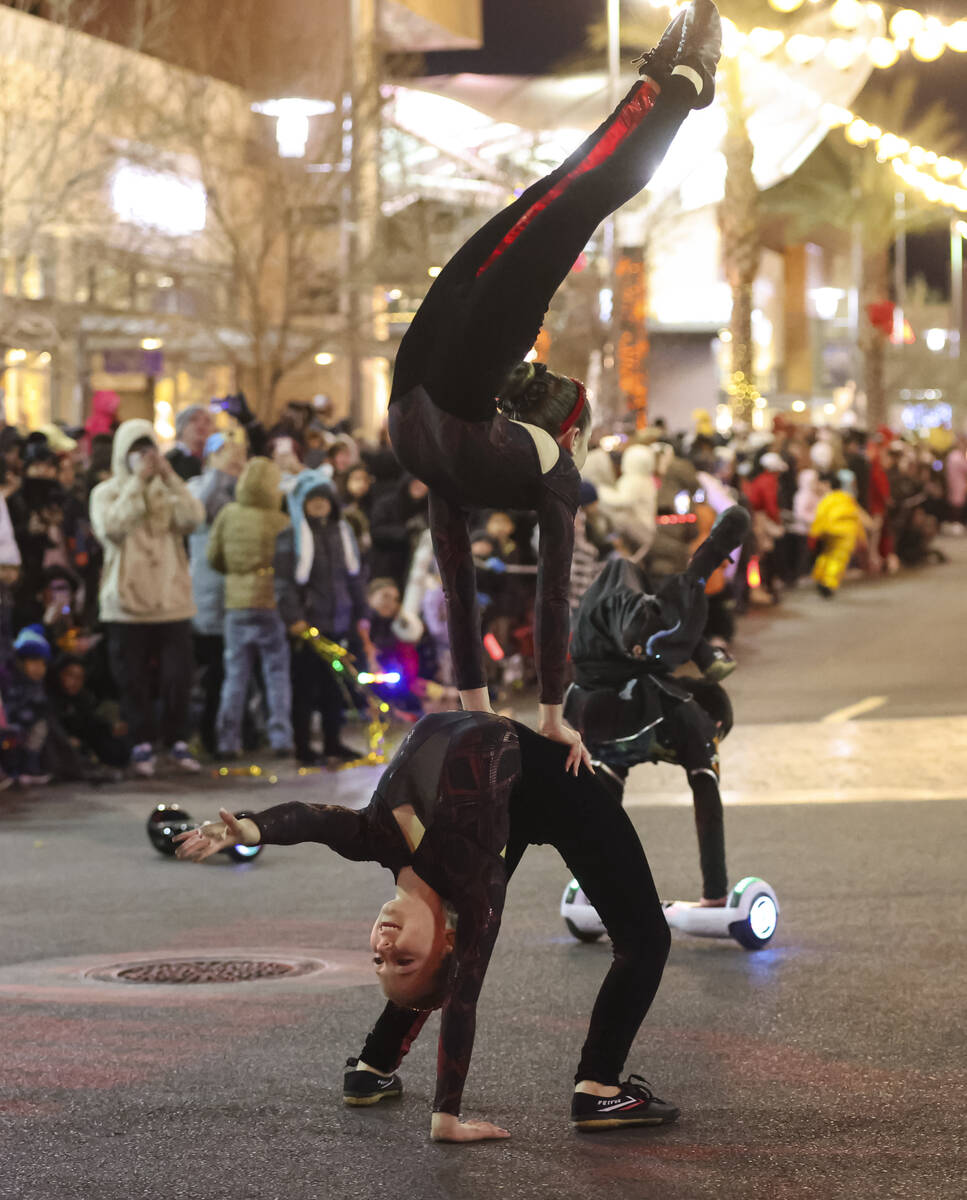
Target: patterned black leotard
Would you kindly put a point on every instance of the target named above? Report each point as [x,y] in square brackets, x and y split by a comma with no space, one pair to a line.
[479,786]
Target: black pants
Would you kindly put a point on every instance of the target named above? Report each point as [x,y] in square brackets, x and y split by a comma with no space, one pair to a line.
[209,655]
[153,666]
[314,689]
[585,822]
[484,311]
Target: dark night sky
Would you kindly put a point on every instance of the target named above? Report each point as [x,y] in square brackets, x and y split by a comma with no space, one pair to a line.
[523,37]
[528,37]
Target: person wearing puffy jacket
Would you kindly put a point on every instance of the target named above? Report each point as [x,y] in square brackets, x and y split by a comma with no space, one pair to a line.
[838,525]
[141,516]
[242,547]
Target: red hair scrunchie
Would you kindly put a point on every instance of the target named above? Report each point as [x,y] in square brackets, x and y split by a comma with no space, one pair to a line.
[578,408]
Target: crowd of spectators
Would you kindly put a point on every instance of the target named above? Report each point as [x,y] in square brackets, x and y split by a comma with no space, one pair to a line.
[173,603]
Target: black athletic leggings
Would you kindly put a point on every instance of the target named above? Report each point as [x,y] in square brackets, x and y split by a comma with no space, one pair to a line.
[484,311]
[585,822]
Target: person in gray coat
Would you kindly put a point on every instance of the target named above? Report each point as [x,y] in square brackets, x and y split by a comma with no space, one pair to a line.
[215,487]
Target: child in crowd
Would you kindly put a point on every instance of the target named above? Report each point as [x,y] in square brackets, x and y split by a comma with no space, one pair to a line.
[319,587]
[58,600]
[27,708]
[838,526]
[390,637]
[242,548]
[75,709]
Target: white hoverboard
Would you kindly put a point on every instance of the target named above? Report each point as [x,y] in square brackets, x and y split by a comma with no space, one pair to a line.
[750,916]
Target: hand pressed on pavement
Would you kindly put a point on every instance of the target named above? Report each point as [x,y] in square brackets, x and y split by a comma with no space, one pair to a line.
[444,1127]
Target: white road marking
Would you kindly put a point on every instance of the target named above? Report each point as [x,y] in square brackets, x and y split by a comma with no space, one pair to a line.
[854,710]
[869,795]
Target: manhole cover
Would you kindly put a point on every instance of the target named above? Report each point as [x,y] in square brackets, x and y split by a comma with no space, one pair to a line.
[205,970]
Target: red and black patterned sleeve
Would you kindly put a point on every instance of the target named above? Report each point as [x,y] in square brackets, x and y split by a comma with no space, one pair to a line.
[342,830]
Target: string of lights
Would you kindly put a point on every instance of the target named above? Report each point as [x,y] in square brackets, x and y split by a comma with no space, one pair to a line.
[906,31]
[907,161]
[926,38]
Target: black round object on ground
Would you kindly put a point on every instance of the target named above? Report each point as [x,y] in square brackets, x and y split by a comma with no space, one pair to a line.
[165,822]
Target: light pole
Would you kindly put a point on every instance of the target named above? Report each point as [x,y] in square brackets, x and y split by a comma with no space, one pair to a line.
[363,214]
[609,374]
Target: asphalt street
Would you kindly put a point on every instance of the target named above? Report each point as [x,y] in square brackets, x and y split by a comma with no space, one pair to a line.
[831,1064]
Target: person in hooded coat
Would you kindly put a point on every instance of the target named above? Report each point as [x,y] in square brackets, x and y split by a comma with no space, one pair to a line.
[627,502]
[319,586]
[141,516]
[242,548]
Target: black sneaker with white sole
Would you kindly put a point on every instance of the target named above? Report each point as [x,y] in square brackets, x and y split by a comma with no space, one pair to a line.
[635,1104]
[361,1088]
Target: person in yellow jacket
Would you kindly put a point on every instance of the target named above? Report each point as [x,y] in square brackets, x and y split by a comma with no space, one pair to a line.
[837,528]
[242,547]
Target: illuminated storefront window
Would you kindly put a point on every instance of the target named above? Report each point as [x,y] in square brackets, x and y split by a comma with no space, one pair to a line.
[26,387]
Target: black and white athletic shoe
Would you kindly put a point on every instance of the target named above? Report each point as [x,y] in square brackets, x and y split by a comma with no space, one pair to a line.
[700,49]
[361,1088]
[657,63]
[635,1104]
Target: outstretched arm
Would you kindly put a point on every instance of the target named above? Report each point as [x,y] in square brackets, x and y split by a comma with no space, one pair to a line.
[342,830]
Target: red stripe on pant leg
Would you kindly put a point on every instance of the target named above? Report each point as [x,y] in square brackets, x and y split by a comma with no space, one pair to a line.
[628,120]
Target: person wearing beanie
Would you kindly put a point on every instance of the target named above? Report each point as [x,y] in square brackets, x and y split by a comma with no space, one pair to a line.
[193,426]
[141,516]
[242,548]
[27,708]
[319,585]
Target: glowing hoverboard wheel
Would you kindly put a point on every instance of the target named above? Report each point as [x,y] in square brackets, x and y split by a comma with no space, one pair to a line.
[580,918]
[750,915]
[758,910]
[169,819]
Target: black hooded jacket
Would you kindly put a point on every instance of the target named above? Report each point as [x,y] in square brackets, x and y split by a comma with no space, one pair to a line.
[622,609]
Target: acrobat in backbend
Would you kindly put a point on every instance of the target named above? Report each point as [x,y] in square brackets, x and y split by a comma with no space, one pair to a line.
[628,639]
[483,429]
[464,796]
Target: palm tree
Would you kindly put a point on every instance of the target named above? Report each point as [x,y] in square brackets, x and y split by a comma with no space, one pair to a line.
[856,194]
[738,214]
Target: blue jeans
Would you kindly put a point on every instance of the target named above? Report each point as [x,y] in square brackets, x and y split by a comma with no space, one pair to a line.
[251,632]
